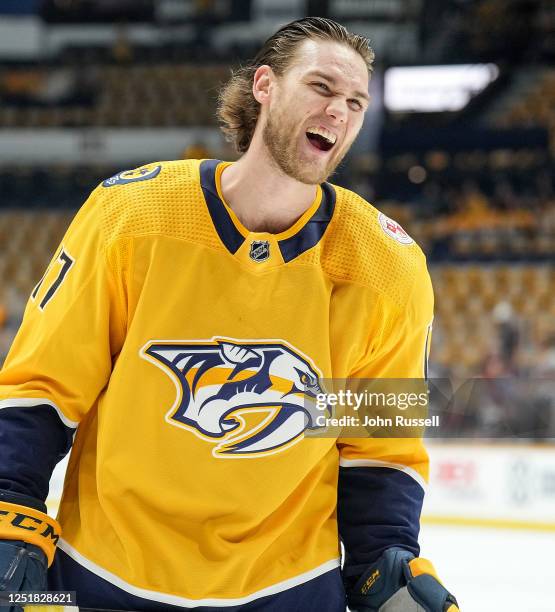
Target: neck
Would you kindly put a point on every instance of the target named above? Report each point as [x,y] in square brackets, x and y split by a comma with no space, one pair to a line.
[261,195]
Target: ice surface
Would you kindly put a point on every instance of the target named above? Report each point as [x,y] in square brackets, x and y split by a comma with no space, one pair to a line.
[493,569]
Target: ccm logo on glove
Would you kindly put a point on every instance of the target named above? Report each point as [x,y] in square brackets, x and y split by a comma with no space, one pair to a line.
[21,523]
[17,520]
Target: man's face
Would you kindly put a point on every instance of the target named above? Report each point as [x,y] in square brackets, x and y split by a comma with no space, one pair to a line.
[316,110]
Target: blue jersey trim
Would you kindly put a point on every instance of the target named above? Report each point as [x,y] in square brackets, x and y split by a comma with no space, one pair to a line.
[325,592]
[228,233]
[33,439]
[22,500]
[314,229]
[307,237]
[377,508]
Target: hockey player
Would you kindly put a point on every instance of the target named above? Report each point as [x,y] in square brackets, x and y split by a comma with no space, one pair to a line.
[174,343]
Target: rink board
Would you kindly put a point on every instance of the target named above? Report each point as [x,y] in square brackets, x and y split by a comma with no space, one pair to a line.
[492,485]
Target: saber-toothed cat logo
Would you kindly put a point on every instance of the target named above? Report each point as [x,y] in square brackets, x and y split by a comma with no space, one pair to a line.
[248,397]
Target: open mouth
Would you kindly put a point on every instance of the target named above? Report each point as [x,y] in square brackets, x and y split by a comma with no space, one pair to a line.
[323,142]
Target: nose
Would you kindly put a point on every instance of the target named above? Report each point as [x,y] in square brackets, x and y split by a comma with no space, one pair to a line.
[337,109]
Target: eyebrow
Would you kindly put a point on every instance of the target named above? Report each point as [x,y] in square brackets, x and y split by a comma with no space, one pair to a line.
[333,81]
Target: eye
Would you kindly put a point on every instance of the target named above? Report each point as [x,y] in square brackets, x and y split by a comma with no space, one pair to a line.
[355,104]
[322,87]
[304,379]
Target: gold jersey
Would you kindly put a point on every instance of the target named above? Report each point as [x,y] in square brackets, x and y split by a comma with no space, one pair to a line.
[182,347]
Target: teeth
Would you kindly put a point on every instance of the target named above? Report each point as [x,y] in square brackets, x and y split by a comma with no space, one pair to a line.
[324,133]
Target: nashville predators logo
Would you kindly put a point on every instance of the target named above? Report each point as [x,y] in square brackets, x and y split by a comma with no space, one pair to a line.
[132,176]
[248,398]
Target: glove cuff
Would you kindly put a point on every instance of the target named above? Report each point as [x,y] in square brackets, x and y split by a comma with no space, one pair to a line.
[419,566]
[30,525]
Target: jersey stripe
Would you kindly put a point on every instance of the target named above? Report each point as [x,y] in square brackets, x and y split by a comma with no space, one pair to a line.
[30,402]
[312,232]
[175,600]
[229,234]
[384,464]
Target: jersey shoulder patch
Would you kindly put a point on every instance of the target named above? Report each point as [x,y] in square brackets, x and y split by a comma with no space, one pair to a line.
[144,173]
[394,229]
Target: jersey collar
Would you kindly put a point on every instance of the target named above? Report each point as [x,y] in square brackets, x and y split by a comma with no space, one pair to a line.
[301,236]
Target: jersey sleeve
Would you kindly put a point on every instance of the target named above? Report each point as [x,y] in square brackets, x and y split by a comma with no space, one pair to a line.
[382,480]
[60,360]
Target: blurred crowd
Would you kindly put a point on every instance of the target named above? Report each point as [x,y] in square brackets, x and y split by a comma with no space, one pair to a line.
[475,205]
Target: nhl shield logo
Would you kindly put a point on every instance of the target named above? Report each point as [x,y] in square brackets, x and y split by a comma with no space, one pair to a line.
[260,250]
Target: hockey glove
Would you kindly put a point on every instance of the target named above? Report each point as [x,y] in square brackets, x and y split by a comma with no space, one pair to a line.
[28,539]
[22,568]
[400,582]
[29,525]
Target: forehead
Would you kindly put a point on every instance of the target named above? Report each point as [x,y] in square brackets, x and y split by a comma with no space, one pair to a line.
[338,60]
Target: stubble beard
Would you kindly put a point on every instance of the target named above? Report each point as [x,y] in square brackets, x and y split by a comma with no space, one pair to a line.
[279,136]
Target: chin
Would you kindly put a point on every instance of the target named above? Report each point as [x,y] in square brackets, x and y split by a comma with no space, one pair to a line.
[314,172]
[306,169]
[312,176]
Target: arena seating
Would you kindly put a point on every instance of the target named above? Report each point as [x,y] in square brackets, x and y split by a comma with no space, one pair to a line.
[536,107]
[466,297]
[142,95]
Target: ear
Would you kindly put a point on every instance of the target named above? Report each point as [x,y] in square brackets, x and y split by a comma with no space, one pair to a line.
[261,84]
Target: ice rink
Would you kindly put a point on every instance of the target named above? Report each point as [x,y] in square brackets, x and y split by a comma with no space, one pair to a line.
[493,569]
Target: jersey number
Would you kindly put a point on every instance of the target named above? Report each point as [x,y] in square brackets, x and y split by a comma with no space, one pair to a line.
[66,262]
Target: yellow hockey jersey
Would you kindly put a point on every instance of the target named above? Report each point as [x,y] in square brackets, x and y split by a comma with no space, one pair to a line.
[181,348]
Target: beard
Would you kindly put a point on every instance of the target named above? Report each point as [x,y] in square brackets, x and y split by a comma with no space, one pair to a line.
[279,136]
